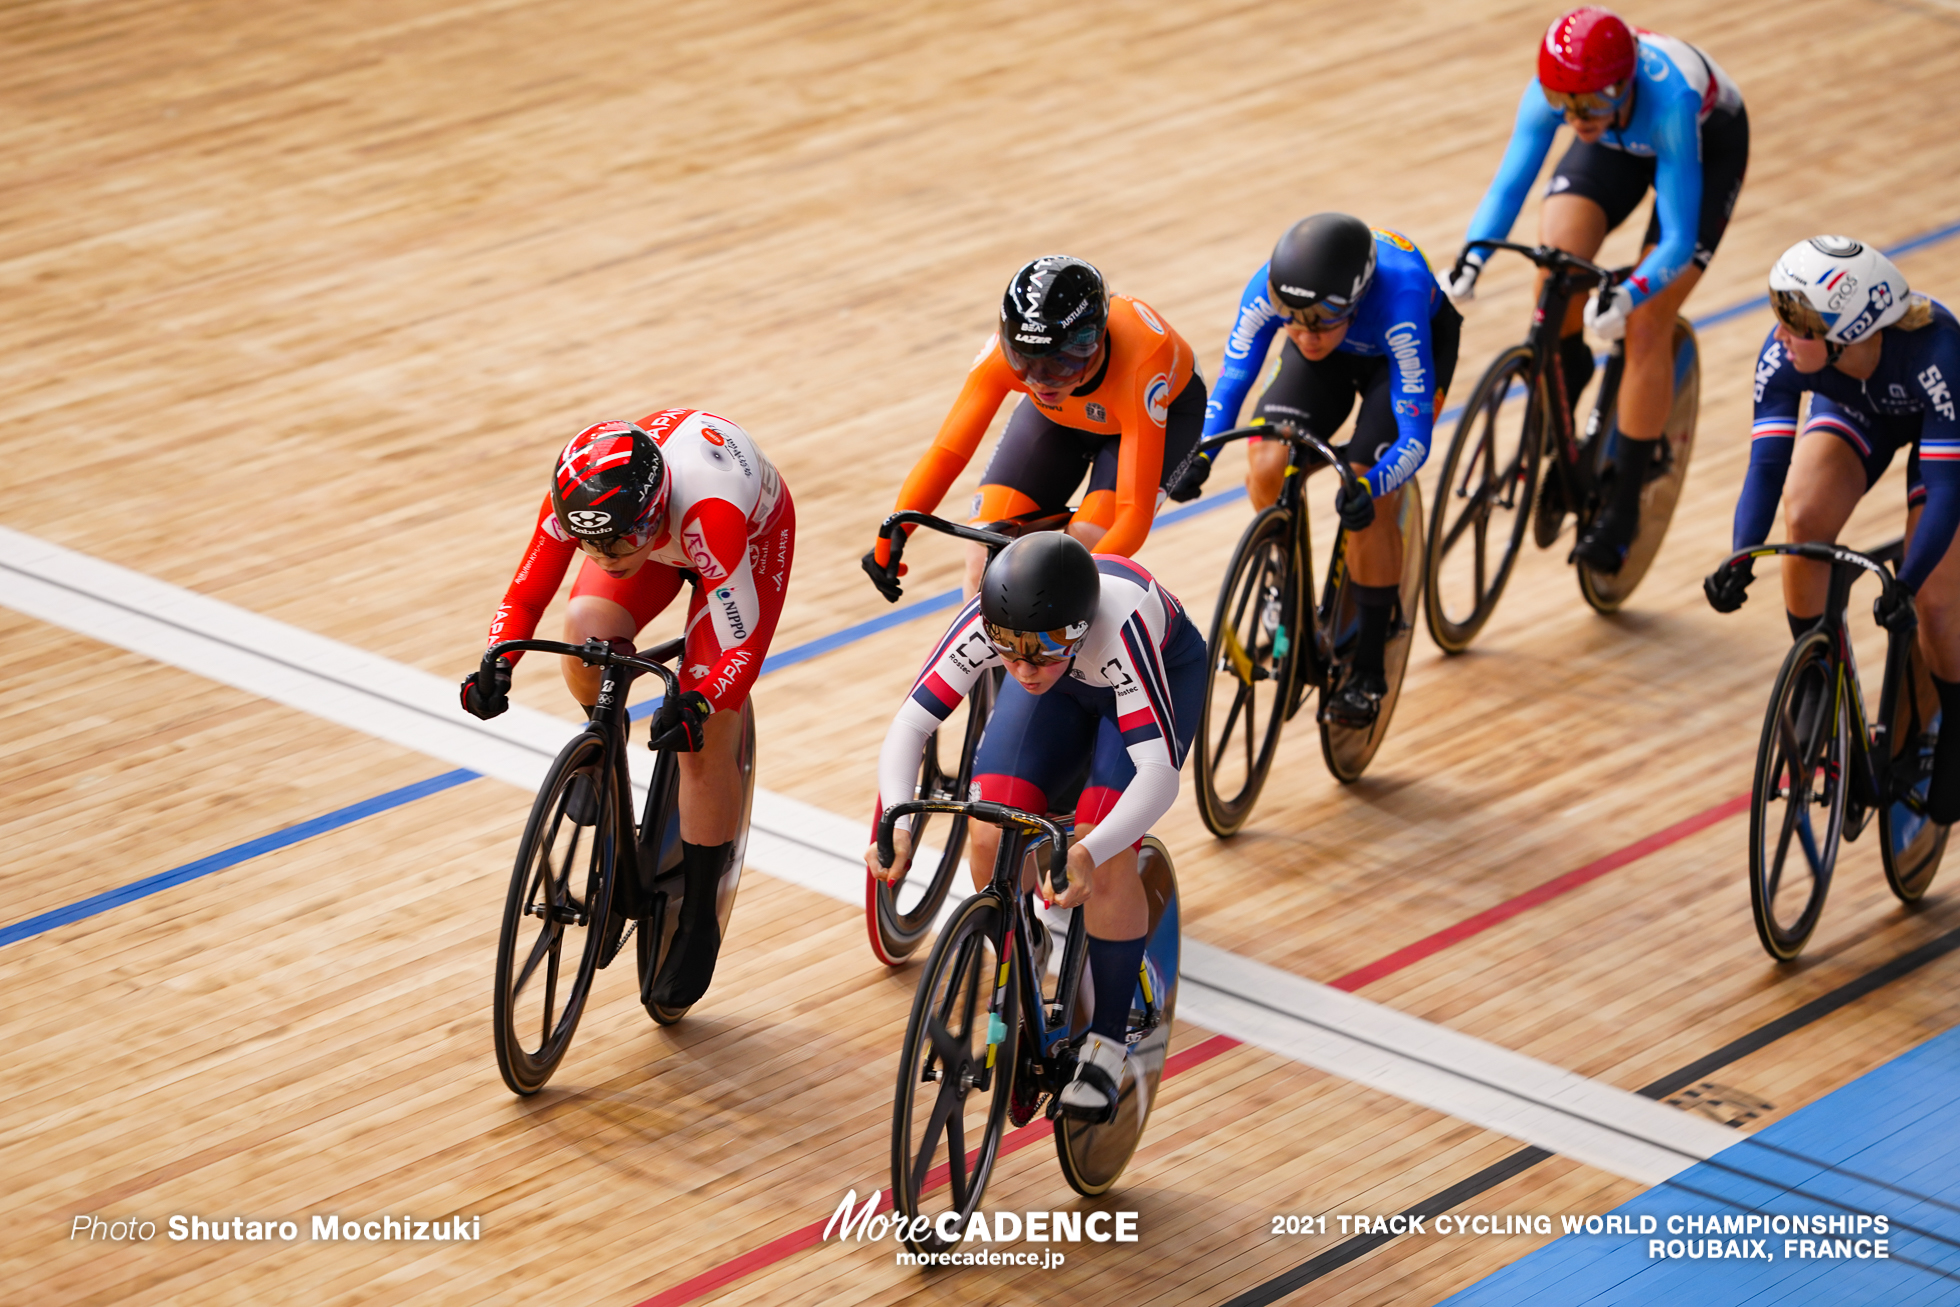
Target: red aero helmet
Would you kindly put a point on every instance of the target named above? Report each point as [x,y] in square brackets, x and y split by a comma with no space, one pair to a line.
[609,481]
[1586,50]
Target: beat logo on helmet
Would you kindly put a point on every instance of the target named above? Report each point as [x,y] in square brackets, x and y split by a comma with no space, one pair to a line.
[589,519]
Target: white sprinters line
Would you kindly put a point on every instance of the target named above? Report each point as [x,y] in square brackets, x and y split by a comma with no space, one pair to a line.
[365,692]
[1336,1032]
[1458,1074]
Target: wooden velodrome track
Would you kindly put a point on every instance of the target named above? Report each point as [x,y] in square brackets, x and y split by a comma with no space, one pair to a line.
[301,301]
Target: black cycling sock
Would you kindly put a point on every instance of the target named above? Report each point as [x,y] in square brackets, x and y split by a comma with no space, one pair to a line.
[1377,607]
[1630,476]
[1113,965]
[1575,359]
[690,962]
[1943,797]
[1800,626]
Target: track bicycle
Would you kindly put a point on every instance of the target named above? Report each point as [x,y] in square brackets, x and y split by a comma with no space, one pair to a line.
[1520,415]
[988,1039]
[1269,640]
[1823,769]
[899,915]
[565,916]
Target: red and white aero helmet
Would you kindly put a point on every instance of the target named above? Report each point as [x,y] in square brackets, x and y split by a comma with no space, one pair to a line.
[610,481]
[1587,50]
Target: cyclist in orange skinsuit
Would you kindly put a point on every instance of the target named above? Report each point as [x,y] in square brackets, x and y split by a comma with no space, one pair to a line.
[1111,391]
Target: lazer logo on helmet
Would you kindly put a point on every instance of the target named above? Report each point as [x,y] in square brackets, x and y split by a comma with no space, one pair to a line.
[1023,338]
[588,519]
[1301,291]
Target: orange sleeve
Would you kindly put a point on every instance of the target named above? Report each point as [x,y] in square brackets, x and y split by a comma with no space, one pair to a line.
[987,383]
[1147,393]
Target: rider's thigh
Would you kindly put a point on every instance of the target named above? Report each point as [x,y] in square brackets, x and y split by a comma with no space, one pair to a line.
[711,783]
[1577,225]
[1826,481]
[1265,471]
[1652,324]
[588,616]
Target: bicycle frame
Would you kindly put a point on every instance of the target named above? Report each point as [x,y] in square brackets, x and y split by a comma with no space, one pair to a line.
[1575,458]
[609,721]
[1878,780]
[1022,833]
[1317,659]
[995,536]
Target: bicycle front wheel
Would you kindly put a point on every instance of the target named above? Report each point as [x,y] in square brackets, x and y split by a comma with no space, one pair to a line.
[1796,806]
[956,1074]
[1254,646]
[900,915]
[555,915]
[1483,502]
[1910,843]
[1665,477]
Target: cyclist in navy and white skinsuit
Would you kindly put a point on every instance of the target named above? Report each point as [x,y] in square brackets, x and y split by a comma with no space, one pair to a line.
[1880,365]
[1648,110]
[1121,691]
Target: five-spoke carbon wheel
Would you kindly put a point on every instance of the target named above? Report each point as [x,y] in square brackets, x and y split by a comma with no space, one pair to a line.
[1254,648]
[1483,502]
[1796,809]
[554,917]
[956,1074]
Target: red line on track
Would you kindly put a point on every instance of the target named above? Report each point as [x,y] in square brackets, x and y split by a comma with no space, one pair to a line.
[1205,1050]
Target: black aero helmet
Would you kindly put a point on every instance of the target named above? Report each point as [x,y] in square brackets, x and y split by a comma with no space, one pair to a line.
[609,486]
[1039,595]
[1052,320]
[1321,268]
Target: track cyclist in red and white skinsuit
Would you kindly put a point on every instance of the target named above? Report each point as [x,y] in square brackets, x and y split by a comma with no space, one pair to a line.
[680,495]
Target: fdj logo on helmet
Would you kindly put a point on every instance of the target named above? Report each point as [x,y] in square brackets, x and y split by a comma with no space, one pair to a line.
[1881,300]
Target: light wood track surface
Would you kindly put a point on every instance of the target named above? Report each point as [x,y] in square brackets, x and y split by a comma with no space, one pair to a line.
[303,299]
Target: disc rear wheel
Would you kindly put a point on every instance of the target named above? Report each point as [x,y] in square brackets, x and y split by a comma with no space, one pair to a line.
[1349,749]
[1665,477]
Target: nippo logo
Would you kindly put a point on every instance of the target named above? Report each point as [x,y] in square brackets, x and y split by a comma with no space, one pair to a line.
[589,519]
[1157,399]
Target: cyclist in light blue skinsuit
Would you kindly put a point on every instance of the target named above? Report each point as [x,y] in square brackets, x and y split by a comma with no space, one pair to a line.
[1363,316]
[1648,110]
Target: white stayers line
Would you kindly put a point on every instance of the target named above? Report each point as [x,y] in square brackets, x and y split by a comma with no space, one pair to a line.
[819,850]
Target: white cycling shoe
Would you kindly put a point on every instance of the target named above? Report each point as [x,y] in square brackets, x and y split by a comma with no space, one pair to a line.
[1092,1095]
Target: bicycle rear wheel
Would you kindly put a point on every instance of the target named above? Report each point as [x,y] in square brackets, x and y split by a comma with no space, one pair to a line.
[1348,750]
[1665,477]
[554,919]
[1254,646]
[1796,805]
[656,934]
[1093,1155]
[900,915]
[1483,502]
[1911,845]
[956,1074]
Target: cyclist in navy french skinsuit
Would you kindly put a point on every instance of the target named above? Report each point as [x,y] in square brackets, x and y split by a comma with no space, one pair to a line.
[1880,364]
[1363,316]
[1648,111]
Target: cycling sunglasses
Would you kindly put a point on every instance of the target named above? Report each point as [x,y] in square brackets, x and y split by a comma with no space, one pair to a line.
[1588,104]
[1038,647]
[1322,315]
[1064,367]
[1798,314]
[621,546]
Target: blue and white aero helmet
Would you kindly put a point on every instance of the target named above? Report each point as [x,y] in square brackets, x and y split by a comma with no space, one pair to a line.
[1836,289]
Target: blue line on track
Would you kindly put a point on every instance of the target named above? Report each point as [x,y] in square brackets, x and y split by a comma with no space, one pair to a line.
[231,857]
[115,898]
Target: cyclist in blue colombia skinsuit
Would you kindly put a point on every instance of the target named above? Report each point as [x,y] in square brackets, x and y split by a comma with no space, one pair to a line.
[1362,315]
[1880,364]
[1647,110]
